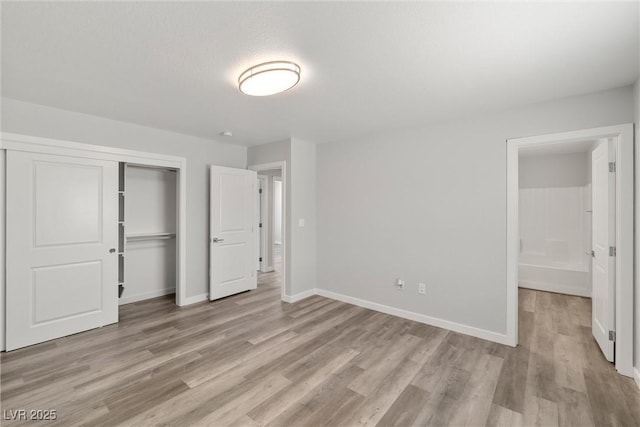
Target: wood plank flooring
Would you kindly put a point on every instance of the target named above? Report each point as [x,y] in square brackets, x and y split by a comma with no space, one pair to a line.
[251,360]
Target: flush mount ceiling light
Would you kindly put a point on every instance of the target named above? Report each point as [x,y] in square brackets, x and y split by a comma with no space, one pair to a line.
[269,78]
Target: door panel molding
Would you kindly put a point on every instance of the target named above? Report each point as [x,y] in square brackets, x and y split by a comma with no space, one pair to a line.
[57,290]
[232,249]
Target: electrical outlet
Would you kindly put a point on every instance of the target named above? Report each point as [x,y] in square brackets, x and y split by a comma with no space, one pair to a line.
[400,284]
[422,288]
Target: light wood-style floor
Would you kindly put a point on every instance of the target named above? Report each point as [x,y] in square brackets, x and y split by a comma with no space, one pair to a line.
[252,360]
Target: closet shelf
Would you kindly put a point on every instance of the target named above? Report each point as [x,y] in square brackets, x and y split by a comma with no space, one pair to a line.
[149,236]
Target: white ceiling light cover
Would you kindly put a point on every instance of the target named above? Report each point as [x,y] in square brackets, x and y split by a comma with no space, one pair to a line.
[269,78]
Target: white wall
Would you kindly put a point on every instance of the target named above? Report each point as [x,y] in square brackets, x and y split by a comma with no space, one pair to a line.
[37,120]
[430,205]
[300,196]
[637,226]
[303,197]
[2,248]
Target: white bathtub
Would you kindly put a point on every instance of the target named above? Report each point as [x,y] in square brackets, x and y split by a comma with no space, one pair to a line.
[562,279]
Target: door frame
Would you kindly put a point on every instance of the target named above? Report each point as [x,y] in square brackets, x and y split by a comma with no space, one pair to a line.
[19,142]
[273,222]
[624,231]
[265,218]
[282,165]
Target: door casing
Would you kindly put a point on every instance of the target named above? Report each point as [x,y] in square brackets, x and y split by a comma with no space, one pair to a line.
[282,165]
[624,231]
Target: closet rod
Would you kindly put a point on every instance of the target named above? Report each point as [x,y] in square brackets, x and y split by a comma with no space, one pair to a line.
[158,236]
[141,166]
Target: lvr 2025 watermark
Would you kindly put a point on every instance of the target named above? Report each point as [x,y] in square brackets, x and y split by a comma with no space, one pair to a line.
[29,414]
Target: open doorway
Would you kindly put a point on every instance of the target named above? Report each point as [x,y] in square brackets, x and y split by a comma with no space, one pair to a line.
[272,239]
[556,217]
[566,226]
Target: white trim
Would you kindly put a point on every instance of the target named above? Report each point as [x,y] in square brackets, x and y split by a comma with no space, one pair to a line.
[194,299]
[300,296]
[282,165]
[3,270]
[416,317]
[12,141]
[181,235]
[34,144]
[636,376]
[265,264]
[146,295]
[555,288]
[409,315]
[624,231]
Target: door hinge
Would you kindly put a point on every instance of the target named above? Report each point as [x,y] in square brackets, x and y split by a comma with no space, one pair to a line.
[260,259]
[612,335]
[612,251]
[260,225]
[612,166]
[260,190]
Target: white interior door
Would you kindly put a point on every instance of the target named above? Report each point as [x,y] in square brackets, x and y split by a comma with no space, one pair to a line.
[233,231]
[603,237]
[62,262]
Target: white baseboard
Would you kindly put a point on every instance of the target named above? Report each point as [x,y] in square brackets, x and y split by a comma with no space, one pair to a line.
[552,287]
[139,297]
[194,299]
[433,321]
[300,296]
[636,376]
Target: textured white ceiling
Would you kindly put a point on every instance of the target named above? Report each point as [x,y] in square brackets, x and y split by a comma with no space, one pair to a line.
[366,67]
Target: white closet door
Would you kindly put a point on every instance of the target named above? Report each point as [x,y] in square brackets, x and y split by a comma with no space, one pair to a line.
[62,262]
[232,246]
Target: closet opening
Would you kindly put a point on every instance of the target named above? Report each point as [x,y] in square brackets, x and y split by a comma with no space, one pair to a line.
[147,227]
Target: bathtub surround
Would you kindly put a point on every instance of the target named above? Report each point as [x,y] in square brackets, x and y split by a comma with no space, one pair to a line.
[555,222]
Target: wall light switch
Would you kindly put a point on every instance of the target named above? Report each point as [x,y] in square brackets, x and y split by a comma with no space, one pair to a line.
[301,222]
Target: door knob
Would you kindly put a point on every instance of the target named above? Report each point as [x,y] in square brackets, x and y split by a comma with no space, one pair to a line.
[217,240]
[112,250]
